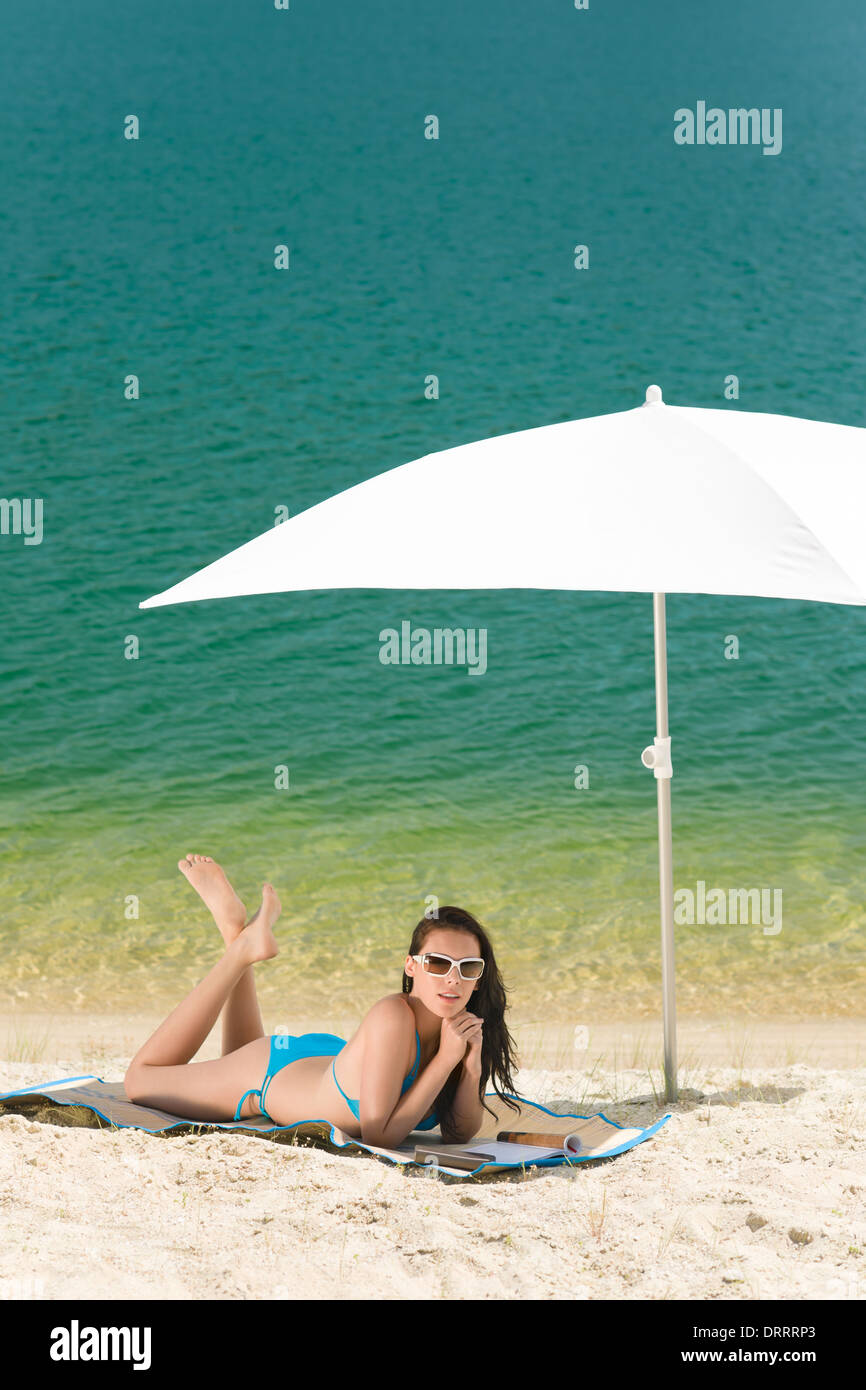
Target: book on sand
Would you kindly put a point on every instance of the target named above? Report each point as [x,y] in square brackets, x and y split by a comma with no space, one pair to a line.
[591,1138]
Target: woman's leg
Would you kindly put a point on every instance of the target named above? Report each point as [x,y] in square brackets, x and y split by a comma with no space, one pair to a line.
[183,1032]
[203,1090]
[242,1019]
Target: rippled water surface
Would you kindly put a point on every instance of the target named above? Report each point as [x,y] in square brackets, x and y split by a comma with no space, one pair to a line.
[261,390]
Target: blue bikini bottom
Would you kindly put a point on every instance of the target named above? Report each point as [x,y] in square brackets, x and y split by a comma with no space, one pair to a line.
[286,1048]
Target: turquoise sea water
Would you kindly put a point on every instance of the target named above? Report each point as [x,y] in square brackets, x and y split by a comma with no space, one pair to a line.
[261,389]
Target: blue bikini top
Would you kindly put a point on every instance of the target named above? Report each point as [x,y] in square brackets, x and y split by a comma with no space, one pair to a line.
[355,1105]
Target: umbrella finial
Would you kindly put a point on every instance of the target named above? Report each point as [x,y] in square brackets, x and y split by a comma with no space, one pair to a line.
[653,396]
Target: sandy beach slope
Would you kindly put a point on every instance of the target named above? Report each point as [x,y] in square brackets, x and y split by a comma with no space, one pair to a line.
[756,1188]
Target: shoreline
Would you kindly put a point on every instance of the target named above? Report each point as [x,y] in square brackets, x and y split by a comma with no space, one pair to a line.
[50,1038]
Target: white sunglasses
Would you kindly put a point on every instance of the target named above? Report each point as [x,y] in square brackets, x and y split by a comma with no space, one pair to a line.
[435,963]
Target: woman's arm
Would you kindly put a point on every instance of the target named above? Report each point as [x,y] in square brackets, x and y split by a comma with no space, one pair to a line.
[468,1112]
[387,1117]
[411,1107]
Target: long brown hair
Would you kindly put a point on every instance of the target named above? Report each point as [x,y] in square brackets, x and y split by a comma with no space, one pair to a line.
[488,1001]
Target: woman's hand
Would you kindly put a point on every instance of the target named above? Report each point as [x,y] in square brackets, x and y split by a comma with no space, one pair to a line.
[472,1060]
[460,1039]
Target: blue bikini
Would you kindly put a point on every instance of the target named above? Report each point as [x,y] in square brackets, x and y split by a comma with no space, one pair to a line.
[355,1105]
[285,1049]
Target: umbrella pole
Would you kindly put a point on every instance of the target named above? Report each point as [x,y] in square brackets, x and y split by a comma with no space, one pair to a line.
[661,763]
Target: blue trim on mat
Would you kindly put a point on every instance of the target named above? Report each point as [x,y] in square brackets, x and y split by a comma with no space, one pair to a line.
[64,1081]
[556,1161]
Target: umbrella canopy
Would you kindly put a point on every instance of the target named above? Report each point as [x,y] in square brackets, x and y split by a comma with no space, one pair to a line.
[658,499]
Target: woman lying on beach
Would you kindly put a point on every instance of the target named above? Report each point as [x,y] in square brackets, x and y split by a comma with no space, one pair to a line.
[419,1058]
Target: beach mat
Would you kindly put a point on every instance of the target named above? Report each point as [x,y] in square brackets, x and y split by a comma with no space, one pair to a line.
[89,1102]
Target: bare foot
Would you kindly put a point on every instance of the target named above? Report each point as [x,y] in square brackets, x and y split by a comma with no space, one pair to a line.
[258,932]
[215,891]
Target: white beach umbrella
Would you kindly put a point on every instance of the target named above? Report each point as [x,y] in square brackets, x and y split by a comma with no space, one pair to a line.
[658,499]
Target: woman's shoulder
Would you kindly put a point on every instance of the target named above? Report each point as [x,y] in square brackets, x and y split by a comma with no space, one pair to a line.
[394,1012]
[393,1006]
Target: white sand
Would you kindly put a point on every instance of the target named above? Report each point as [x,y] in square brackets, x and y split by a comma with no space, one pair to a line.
[755,1188]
